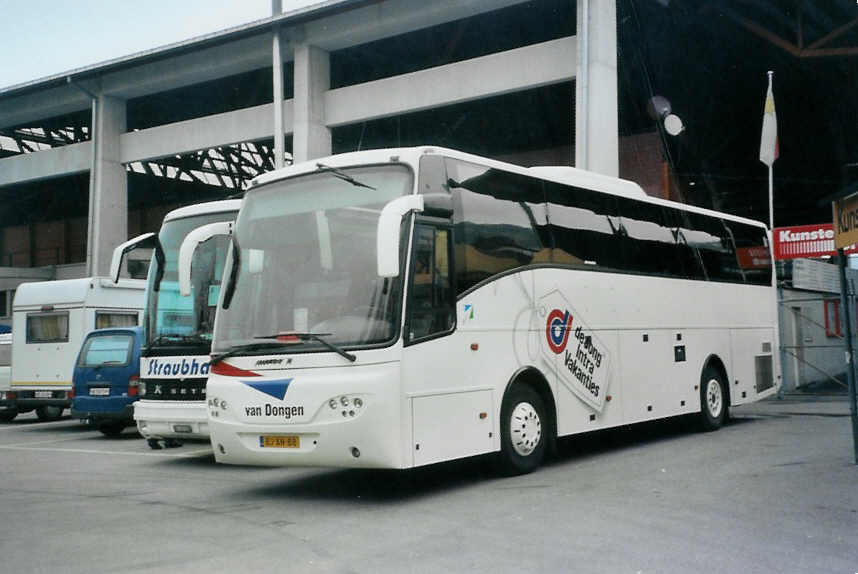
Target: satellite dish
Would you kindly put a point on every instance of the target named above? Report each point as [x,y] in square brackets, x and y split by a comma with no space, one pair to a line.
[673,125]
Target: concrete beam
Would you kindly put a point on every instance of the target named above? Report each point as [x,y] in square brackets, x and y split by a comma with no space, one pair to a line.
[43,104]
[392,18]
[194,67]
[28,167]
[536,65]
[191,135]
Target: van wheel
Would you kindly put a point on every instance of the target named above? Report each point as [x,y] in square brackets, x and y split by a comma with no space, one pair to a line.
[49,413]
[8,415]
[713,399]
[111,429]
[523,431]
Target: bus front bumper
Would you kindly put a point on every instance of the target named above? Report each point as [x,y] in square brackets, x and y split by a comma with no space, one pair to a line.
[172,419]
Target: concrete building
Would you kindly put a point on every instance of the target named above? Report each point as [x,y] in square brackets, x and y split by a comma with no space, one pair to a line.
[95,155]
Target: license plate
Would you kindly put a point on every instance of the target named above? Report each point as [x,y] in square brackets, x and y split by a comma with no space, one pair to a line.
[99,391]
[43,394]
[279,441]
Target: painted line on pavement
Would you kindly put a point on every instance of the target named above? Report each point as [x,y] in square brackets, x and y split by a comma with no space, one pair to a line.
[46,441]
[20,426]
[110,452]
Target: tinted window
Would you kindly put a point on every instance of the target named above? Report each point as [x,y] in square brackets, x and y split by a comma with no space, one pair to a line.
[752,252]
[500,222]
[584,227]
[715,246]
[649,240]
[113,350]
[48,327]
[431,294]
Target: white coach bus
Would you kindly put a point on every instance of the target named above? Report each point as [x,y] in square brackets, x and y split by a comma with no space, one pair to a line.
[174,361]
[397,308]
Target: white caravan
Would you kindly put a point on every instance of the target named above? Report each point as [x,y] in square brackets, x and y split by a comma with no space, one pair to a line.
[6,414]
[49,322]
[397,308]
[177,334]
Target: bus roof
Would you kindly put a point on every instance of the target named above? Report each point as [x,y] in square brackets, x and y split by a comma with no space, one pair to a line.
[560,174]
[89,290]
[203,209]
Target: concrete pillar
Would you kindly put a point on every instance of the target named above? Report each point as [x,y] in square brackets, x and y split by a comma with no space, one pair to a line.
[311,138]
[596,121]
[277,67]
[108,188]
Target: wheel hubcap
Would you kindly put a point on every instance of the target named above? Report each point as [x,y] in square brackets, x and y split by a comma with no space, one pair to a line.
[525,428]
[714,398]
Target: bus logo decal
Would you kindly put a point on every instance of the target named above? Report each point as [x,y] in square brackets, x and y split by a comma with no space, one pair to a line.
[579,359]
[276,388]
[557,330]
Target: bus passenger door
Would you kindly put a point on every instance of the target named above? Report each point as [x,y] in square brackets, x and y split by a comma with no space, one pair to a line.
[445,408]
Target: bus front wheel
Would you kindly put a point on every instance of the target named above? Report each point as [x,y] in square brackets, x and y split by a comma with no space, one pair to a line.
[713,399]
[523,431]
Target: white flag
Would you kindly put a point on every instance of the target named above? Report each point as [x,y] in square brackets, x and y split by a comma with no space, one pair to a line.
[769,151]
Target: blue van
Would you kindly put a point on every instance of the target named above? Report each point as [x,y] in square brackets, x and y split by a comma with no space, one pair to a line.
[106,378]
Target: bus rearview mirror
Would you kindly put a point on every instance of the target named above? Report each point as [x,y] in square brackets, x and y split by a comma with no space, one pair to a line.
[189,246]
[146,240]
[387,232]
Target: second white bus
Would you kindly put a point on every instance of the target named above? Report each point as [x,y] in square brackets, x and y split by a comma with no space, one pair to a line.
[402,307]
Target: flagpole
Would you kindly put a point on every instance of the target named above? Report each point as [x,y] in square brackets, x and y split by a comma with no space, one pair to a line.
[771,179]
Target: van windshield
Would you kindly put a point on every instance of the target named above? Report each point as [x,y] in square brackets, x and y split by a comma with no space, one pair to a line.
[106,350]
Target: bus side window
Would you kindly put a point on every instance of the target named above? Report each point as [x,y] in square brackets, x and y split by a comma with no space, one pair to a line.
[431,293]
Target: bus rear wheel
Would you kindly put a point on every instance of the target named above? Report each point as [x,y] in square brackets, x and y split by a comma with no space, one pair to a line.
[523,431]
[713,399]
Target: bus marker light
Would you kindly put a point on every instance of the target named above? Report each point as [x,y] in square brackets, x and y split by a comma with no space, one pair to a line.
[332,403]
[475,346]
[355,452]
[344,401]
[483,416]
[608,398]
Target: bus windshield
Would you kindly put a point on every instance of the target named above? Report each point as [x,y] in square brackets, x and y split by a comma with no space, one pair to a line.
[307,263]
[173,319]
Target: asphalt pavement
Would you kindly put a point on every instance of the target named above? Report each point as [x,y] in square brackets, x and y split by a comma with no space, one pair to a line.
[776,490]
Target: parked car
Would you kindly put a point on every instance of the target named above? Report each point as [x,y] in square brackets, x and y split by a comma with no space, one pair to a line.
[106,378]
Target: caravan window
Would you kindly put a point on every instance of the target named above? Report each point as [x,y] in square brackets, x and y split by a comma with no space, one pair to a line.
[48,327]
[105,319]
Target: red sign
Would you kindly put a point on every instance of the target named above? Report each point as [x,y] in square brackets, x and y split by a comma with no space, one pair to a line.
[753,258]
[805,241]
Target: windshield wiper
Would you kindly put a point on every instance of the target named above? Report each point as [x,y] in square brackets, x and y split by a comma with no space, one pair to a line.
[236,349]
[342,175]
[178,339]
[312,337]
